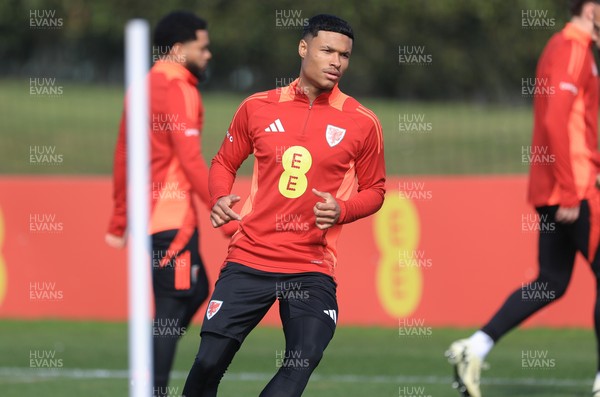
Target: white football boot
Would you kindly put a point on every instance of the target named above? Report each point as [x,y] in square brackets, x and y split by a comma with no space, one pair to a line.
[467,368]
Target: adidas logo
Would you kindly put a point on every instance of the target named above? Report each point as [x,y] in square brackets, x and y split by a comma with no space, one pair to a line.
[275,126]
[331,313]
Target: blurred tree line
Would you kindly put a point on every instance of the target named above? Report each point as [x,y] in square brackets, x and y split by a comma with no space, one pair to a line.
[471,49]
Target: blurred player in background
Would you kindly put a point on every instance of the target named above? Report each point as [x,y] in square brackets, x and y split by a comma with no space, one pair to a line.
[310,142]
[563,190]
[179,177]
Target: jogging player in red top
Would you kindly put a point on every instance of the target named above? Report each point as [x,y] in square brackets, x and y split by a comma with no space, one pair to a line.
[310,141]
[562,188]
[179,176]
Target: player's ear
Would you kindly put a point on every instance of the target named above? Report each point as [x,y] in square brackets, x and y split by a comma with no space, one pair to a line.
[302,48]
[587,11]
[177,49]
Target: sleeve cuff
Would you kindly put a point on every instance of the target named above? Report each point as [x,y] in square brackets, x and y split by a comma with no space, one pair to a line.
[115,230]
[213,201]
[569,200]
[343,212]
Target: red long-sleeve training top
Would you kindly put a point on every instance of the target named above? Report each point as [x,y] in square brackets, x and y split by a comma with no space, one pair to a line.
[564,154]
[177,169]
[326,145]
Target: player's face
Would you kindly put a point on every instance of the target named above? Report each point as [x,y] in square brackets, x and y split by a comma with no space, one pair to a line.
[596,21]
[197,54]
[325,58]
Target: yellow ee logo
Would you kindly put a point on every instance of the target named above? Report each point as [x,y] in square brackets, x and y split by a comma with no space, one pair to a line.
[296,162]
[397,230]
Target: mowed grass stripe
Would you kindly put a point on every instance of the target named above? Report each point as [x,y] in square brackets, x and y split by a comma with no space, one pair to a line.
[420,138]
[35,374]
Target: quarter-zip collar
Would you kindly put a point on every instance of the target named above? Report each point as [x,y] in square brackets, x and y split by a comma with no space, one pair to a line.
[295,93]
[174,69]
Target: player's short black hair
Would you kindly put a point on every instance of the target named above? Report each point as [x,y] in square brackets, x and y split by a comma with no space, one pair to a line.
[177,27]
[329,23]
[575,6]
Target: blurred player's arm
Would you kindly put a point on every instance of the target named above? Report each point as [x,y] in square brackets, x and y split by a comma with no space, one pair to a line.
[565,80]
[115,236]
[184,105]
[236,147]
[596,161]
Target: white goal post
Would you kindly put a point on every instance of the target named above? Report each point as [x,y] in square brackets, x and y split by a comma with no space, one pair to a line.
[137,33]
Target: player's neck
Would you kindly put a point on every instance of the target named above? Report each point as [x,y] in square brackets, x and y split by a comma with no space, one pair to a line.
[309,90]
[313,94]
[583,24]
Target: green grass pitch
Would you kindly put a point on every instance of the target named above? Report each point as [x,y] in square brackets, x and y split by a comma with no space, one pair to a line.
[373,362]
[420,138]
[456,139]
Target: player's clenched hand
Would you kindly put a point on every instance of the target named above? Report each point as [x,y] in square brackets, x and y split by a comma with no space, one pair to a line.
[327,212]
[115,241]
[221,212]
[567,214]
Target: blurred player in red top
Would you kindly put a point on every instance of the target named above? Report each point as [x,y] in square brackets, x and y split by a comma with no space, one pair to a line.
[179,176]
[310,142]
[564,169]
